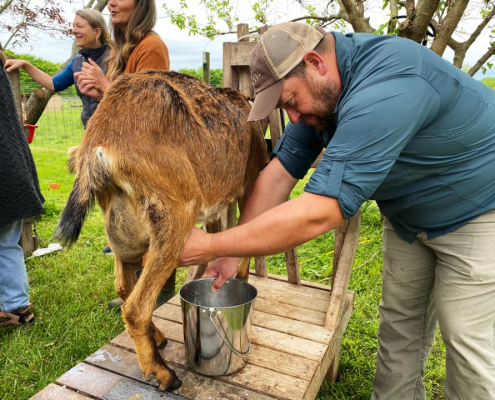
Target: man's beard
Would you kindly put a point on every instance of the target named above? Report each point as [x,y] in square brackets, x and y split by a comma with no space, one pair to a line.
[325,99]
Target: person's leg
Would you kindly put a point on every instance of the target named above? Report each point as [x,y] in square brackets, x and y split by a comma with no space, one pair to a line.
[14,301]
[407,318]
[465,304]
[13,276]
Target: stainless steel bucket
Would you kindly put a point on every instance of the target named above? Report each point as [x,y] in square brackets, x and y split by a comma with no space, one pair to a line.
[217,325]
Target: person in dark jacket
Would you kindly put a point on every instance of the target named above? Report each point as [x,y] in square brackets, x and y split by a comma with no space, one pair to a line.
[91,34]
[20,197]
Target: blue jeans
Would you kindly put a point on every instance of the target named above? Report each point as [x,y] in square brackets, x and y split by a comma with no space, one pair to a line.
[13,276]
[449,280]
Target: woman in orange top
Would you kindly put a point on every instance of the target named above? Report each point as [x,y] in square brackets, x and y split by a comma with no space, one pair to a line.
[135,47]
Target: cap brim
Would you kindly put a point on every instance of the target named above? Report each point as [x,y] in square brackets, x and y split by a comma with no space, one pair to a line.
[266,101]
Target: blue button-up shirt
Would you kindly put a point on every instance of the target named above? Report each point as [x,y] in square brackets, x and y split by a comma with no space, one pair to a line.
[412,132]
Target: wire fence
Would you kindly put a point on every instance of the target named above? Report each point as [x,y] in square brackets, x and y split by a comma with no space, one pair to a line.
[60,125]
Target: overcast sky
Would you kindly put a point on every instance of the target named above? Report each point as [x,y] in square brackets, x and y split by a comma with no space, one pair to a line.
[186,51]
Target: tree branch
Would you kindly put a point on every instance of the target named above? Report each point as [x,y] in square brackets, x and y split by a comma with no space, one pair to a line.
[5,6]
[450,22]
[358,22]
[476,67]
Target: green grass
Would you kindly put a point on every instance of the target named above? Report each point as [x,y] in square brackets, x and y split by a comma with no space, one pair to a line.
[70,290]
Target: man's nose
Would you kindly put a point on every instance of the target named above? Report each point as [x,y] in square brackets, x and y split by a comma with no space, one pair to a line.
[294,116]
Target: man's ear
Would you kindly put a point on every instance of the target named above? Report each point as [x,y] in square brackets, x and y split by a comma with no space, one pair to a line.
[315,61]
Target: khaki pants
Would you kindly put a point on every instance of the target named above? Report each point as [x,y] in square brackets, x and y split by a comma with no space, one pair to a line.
[451,279]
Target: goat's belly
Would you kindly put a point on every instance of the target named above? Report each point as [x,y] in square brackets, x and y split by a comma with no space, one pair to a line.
[211,214]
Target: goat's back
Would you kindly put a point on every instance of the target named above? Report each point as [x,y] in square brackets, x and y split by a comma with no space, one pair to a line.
[150,121]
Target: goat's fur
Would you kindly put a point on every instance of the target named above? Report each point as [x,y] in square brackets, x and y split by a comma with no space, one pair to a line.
[162,151]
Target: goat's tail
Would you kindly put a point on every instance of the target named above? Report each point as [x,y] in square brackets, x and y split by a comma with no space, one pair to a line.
[91,180]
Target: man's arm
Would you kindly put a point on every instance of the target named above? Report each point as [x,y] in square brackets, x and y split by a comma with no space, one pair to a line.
[269,225]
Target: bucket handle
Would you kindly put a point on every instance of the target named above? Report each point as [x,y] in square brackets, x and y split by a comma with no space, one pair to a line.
[226,340]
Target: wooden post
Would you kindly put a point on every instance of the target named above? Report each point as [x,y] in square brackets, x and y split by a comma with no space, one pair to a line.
[206,67]
[15,83]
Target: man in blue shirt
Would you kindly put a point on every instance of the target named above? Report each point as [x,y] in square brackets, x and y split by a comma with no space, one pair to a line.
[404,127]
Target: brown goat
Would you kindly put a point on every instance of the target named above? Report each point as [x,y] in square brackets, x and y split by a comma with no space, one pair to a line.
[162,151]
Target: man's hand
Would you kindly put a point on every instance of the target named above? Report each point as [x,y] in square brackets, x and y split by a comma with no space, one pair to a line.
[197,249]
[222,268]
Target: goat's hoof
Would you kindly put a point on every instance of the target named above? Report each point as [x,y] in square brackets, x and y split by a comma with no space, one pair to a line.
[176,384]
[163,344]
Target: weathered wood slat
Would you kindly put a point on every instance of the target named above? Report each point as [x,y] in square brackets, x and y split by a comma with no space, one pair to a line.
[55,392]
[237,53]
[194,386]
[289,311]
[302,302]
[329,362]
[343,274]
[262,320]
[273,383]
[304,284]
[266,337]
[103,384]
[283,285]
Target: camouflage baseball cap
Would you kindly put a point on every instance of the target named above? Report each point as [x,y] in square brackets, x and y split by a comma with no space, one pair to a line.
[280,49]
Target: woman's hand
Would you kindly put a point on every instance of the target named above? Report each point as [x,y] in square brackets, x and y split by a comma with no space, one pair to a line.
[12,65]
[87,86]
[93,70]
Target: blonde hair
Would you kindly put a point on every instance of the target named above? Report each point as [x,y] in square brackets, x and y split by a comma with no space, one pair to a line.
[141,23]
[96,21]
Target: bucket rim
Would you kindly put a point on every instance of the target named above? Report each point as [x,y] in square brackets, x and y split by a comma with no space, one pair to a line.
[226,282]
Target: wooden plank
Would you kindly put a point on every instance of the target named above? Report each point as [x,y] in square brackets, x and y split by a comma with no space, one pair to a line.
[239,53]
[288,345]
[292,267]
[260,319]
[55,392]
[291,327]
[272,383]
[343,275]
[260,266]
[103,384]
[304,284]
[282,310]
[271,293]
[303,302]
[245,83]
[194,386]
[329,357]
[283,285]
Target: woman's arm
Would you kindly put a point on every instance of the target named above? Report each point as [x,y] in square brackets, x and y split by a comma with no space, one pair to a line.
[38,75]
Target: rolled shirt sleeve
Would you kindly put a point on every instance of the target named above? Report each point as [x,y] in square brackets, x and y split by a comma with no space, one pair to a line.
[298,148]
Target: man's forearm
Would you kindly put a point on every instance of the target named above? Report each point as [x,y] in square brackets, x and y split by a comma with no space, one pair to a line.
[279,229]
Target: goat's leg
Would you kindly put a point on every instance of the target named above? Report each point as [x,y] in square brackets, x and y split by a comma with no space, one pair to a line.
[137,312]
[126,278]
[169,227]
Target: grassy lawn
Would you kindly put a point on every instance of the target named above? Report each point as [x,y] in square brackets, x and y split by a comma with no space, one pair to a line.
[70,290]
